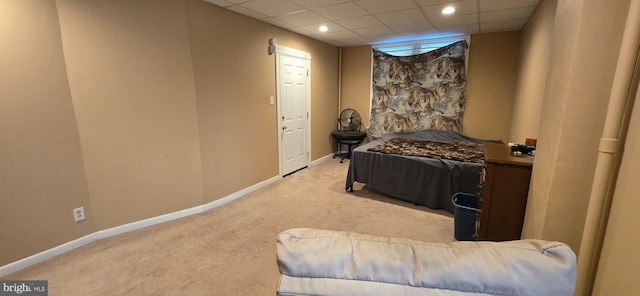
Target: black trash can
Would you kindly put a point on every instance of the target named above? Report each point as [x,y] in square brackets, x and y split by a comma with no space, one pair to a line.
[465,208]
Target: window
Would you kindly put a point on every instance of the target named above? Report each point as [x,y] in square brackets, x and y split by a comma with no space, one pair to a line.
[408,48]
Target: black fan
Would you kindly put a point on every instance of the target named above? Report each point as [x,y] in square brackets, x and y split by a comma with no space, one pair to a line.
[348,132]
[349,120]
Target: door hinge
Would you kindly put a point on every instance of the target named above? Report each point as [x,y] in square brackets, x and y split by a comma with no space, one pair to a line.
[307,73]
[307,115]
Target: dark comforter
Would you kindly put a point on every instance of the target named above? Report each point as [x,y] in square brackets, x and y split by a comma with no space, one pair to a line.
[421,180]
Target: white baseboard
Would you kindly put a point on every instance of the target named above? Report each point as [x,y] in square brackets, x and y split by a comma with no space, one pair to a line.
[321,159]
[146,222]
[89,238]
[238,194]
[45,255]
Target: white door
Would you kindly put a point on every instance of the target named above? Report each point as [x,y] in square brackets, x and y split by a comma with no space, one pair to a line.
[293,102]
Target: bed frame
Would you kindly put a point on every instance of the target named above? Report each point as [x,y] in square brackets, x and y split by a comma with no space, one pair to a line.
[420,180]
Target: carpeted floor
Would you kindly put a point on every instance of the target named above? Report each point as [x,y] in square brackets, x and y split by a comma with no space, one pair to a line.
[230,250]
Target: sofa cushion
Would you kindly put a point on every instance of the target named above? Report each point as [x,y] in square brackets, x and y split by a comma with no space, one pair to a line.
[312,261]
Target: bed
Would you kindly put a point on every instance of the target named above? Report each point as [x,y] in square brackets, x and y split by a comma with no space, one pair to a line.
[449,162]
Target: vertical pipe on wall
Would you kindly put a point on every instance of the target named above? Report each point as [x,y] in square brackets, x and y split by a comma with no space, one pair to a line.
[608,153]
[339,80]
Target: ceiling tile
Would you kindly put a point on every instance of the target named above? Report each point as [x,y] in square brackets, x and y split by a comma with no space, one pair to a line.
[355,41]
[462,7]
[332,27]
[506,14]
[246,11]
[341,11]
[402,16]
[359,22]
[277,22]
[419,34]
[374,31]
[488,5]
[301,31]
[302,18]
[384,20]
[443,21]
[341,35]
[459,30]
[273,7]
[506,25]
[434,2]
[380,6]
[316,4]
[412,26]
[329,40]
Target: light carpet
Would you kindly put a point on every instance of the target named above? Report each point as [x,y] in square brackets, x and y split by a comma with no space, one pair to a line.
[231,250]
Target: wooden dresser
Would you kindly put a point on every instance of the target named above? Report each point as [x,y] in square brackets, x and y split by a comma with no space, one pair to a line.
[505,192]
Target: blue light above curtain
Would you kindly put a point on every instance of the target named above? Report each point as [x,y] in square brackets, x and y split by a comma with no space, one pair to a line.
[400,47]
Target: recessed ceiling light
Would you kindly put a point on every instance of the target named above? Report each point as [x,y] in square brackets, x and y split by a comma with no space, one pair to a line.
[448,10]
[323,28]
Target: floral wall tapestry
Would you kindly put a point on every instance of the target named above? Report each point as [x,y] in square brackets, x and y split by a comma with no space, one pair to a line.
[424,91]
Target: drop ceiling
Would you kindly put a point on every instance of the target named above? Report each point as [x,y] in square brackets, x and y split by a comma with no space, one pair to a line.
[362,22]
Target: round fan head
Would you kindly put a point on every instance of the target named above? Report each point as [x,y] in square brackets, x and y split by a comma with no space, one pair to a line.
[349,120]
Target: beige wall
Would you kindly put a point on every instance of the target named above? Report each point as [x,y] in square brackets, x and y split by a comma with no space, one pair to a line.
[42,177]
[491,83]
[356,80]
[324,93]
[532,74]
[576,92]
[234,77]
[135,109]
[535,53]
[132,87]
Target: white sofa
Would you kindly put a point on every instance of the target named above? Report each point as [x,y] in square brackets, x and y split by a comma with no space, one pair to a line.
[323,262]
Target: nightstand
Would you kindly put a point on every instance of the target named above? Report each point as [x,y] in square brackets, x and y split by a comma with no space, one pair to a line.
[505,192]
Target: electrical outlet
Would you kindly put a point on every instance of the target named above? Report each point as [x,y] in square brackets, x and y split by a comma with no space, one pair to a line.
[78,214]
